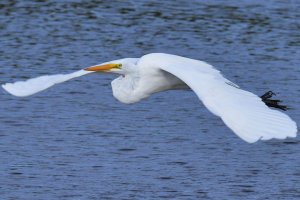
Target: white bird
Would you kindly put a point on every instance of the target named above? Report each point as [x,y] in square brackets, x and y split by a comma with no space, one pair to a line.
[246,114]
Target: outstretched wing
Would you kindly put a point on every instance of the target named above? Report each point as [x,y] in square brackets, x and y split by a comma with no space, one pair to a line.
[38,84]
[242,111]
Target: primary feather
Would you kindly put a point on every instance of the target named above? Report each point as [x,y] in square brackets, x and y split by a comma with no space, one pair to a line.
[242,111]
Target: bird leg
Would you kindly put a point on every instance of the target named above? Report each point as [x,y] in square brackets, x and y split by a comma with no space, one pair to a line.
[266,98]
[267,95]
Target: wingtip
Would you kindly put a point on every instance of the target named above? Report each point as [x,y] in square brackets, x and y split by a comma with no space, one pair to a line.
[5,88]
[8,87]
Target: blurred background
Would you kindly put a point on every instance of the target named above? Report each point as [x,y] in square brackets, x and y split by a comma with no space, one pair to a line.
[75,141]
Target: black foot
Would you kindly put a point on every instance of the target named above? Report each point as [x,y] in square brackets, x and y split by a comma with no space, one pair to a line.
[266,98]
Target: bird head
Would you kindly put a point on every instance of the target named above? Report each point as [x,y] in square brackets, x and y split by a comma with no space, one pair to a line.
[122,66]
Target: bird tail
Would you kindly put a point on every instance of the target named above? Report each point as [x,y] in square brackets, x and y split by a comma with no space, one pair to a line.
[266,98]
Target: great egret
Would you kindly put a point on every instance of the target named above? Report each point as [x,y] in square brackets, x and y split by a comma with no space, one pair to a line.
[246,114]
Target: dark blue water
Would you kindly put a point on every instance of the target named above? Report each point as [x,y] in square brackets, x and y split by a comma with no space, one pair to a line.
[75,141]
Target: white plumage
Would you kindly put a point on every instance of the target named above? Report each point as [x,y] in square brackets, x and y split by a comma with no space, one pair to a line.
[242,111]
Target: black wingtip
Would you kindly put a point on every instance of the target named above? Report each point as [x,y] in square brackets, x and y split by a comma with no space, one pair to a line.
[266,98]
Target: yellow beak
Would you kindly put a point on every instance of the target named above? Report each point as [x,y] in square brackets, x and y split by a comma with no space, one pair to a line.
[105,67]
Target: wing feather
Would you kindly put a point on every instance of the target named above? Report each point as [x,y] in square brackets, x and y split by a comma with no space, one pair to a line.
[242,111]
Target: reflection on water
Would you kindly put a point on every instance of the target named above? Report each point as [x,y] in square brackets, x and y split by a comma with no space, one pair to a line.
[75,141]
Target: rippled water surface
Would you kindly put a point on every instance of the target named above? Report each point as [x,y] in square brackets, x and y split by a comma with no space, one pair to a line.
[75,141]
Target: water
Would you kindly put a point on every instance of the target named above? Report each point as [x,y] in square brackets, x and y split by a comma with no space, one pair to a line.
[75,141]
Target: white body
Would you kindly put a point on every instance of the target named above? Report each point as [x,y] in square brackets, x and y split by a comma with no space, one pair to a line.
[243,112]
